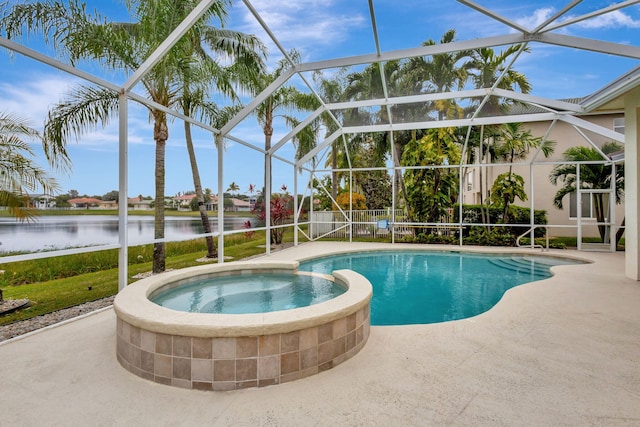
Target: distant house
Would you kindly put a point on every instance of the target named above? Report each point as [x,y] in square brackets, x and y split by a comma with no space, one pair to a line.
[138,203]
[183,202]
[42,201]
[107,204]
[240,205]
[86,203]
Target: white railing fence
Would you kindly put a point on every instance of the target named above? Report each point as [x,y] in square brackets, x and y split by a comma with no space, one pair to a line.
[372,223]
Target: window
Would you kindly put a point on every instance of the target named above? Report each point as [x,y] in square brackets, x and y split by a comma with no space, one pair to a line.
[618,125]
[587,211]
[470,181]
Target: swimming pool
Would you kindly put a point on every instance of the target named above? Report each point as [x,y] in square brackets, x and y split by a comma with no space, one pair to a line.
[418,287]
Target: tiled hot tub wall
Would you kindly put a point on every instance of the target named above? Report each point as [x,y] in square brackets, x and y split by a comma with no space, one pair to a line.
[240,362]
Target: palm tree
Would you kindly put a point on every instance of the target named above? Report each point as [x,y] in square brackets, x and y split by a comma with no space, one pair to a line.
[233,188]
[442,73]
[368,84]
[486,68]
[202,74]
[19,175]
[332,90]
[280,103]
[116,46]
[514,143]
[592,176]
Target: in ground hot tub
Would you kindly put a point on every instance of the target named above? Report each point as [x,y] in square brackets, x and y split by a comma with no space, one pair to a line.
[211,351]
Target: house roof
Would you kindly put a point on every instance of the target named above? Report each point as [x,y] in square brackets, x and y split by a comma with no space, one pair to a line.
[240,203]
[612,95]
[184,197]
[138,200]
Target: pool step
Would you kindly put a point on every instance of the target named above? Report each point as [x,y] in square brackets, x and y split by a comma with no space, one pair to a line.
[521,265]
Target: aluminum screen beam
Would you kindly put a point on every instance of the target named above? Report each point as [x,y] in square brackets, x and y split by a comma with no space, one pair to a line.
[437,124]
[592,127]
[493,15]
[413,52]
[592,45]
[557,15]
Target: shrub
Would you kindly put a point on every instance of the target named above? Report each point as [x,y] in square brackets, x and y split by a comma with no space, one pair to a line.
[471,214]
[359,201]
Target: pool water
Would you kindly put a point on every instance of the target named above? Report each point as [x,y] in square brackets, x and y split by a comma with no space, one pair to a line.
[413,287]
[252,293]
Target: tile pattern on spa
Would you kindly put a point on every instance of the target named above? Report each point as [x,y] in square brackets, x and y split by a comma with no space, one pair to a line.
[233,363]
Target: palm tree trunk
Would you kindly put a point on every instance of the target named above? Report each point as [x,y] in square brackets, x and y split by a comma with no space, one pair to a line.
[212,251]
[480,159]
[266,194]
[160,134]
[400,179]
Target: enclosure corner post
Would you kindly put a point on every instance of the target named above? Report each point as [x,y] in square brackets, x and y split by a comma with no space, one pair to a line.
[123,179]
[220,146]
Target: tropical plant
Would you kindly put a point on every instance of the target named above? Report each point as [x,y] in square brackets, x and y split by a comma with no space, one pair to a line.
[202,74]
[592,176]
[506,188]
[512,143]
[440,73]
[233,188]
[282,102]
[19,174]
[434,188]
[486,69]
[379,82]
[79,35]
[280,213]
[332,90]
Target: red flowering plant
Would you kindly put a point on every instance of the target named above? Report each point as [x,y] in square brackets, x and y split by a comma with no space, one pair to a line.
[281,213]
[249,233]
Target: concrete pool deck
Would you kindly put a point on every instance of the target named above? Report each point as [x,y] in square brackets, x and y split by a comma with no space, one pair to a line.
[563,351]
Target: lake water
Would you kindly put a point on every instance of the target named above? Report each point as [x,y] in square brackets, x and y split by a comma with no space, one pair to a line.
[62,232]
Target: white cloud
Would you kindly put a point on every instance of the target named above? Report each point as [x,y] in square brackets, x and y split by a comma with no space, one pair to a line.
[304,24]
[539,16]
[615,19]
[32,97]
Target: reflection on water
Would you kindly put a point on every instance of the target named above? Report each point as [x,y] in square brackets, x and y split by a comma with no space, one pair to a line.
[60,232]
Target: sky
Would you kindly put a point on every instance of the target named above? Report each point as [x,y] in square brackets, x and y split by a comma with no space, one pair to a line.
[319,30]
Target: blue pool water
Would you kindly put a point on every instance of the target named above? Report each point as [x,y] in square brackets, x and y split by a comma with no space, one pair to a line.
[413,287]
[253,293]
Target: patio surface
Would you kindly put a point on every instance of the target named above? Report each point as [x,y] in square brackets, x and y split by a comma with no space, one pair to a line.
[563,351]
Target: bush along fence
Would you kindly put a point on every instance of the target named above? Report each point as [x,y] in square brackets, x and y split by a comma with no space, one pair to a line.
[376,224]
